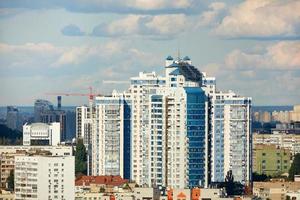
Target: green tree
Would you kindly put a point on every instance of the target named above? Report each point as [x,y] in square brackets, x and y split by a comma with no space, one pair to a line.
[9,136]
[260,177]
[295,167]
[232,187]
[11,181]
[80,158]
[229,183]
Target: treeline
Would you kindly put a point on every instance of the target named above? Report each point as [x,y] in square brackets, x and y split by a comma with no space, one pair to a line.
[9,136]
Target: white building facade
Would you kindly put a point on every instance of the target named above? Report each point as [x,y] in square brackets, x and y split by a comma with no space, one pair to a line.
[44,177]
[42,134]
[111,129]
[230,134]
[180,131]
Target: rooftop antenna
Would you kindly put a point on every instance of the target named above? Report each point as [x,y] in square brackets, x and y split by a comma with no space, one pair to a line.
[178,50]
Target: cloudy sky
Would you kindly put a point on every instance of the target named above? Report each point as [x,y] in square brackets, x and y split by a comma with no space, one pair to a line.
[252,47]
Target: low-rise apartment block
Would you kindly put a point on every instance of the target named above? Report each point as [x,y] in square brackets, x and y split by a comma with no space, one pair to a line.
[275,190]
[271,160]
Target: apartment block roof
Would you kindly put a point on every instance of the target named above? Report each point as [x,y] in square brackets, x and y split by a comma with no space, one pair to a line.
[100,180]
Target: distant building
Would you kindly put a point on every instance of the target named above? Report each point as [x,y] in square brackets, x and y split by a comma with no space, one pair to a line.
[286,141]
[44,112]
[256,116]
[295,114]
[84,123]
[274,190]
[40,106]
[13,118]
[271,160]
[44,177]
[266,117]
[56,116]
[287,128]
[281,116]
[70,125]
[42,134]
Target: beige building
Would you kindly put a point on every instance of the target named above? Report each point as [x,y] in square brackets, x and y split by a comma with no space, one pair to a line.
[295,114]
[287,141]
[266,117]
[293,195]
[54,150]
[287,116]
[8,153]
[281,116]
[274,190]
[7,164]
[6,195]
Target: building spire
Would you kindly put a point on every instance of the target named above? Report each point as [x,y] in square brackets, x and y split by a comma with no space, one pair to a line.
[178,50]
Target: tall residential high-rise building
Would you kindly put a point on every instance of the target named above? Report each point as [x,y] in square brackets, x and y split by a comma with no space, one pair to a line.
[110,145]
[230,133]
[13,120]
[182,131]
[141,89]
[44,177]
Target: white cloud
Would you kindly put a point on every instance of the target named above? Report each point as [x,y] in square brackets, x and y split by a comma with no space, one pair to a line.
[283,55]
[213,15]
[115,6]
[30,55]
[262,19]
[158,4]
[62,68]
[134,25]
[271,75]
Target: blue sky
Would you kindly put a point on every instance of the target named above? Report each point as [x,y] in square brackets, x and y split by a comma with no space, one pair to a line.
[67,46]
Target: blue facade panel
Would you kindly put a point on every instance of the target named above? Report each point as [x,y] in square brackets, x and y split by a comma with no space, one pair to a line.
[127,139]
[196,99]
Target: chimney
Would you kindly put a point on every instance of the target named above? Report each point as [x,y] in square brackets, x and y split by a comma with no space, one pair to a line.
[58,102]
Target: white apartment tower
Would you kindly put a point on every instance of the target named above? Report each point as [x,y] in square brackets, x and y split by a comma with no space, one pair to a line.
[141,89]
[231,139]
[169,127]
[44,177]
[112,128]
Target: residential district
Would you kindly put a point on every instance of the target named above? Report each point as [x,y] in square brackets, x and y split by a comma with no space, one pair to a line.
[170,137]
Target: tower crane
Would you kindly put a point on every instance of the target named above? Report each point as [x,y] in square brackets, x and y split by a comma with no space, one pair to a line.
[91,95]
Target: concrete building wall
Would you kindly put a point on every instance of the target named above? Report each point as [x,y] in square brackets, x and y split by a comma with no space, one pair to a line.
[44,177]
[41,133]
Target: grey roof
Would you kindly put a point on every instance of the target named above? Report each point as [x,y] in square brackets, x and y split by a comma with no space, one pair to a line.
[186,58]
[169,58]
[190,72]
[173,65]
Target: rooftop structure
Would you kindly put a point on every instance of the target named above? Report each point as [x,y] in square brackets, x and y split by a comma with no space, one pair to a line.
[100,180]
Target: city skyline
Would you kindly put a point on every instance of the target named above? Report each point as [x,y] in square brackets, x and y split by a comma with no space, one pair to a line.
[63,46]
